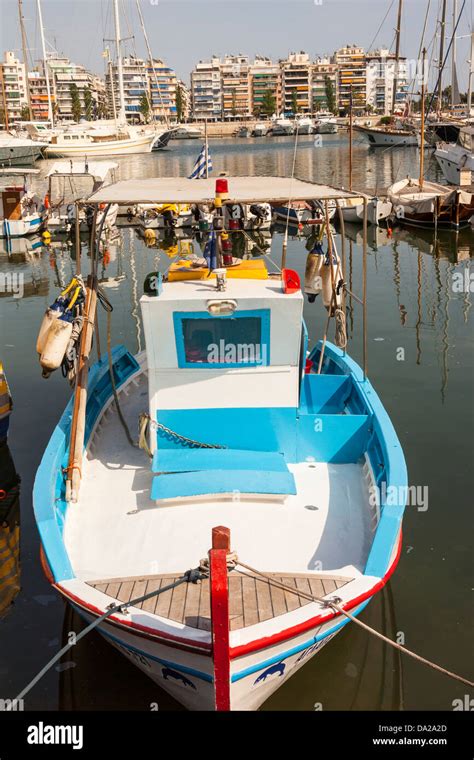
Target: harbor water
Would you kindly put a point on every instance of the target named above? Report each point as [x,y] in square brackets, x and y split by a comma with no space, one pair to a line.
[421,362]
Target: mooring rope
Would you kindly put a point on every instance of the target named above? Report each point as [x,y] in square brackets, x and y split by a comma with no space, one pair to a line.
[335,604]
[190,576]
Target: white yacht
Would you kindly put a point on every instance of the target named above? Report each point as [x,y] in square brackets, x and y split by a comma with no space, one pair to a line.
[102,139]
[282,126]
[326,123]
[260,129]
[304,125]
[19,151]
[453,158]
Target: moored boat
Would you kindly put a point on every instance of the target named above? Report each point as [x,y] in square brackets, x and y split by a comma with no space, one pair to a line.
[261,129]
[19,151]
[285,458]
[429,204]
[303,212]
[21,211]
[378,210]
[379,137]
[325,123]
[456,159]
[282,126]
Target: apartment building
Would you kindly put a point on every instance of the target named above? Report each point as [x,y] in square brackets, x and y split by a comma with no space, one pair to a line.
[265,77]
[381,65]
[235,84]
[296,83]
[13,84]
[324,81]
[352,76]
[206,90]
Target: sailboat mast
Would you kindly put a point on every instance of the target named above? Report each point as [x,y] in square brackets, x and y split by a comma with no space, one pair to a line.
[122,115]
[453,55]
[397,55]
[150,56]
[441,56]
[45,63]
[25,55]
[422,134]
[471,72]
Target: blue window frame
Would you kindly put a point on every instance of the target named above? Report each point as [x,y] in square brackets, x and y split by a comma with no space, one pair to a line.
[212,342]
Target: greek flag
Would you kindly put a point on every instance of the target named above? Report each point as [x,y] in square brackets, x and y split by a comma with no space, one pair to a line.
[199,170]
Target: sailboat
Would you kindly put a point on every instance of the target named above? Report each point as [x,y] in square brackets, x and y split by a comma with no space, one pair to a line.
[106,137]
[417,202]
[399,133]
[262,470]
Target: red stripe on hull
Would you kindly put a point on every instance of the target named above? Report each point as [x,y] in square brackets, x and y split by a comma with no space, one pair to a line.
[234,652]
[288,633]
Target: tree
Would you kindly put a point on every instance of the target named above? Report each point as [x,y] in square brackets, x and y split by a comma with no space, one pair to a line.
[268,106]
[144,106]
[234,102]
[294,102]
[179,103]
[330,95]
[88,104]
[25,112]
[76,107]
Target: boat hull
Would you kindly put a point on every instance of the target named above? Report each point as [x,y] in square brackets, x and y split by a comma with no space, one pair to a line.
[377,211]
[452,161]
[21,156]
[113,148]
[11,228]
[189,677]
[379,138]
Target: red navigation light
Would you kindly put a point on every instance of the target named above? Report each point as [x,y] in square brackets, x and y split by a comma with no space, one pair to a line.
[222,186]
[290,280]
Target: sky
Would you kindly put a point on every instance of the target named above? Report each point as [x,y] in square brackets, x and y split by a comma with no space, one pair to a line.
[183,32]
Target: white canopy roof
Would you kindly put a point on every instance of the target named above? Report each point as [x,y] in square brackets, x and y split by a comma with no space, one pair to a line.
[241,190]
[96,169]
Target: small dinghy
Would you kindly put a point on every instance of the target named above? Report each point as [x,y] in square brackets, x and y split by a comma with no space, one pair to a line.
[275,476]
[303,212]
[378,210]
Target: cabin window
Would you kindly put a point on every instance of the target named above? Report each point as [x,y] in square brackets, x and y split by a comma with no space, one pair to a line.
[239,340]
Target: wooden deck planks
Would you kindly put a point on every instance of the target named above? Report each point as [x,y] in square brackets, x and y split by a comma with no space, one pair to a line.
[251,599]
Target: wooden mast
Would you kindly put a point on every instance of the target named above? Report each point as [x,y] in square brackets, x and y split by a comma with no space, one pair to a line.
[397,55]
[350,137]
[441,57]
[45,63]
[453,57]
[422,135]
[25,56]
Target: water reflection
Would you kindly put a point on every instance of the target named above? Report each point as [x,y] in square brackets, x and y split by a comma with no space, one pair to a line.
[9,530]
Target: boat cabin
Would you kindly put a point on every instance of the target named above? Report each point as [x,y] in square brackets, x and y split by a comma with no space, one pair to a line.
[227,359]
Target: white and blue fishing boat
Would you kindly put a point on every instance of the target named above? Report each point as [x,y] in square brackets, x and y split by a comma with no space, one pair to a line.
[274,470]
[21,209]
